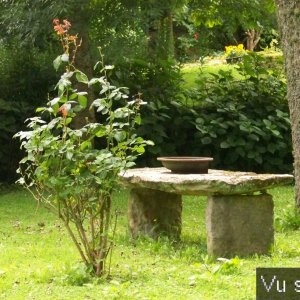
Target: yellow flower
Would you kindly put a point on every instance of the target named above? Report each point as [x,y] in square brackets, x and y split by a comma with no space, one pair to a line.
[234,51]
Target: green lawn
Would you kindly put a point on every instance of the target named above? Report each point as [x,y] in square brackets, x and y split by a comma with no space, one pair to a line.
[38,260]
[191,72]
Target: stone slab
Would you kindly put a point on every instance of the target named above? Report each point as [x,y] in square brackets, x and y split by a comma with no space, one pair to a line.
[216,182]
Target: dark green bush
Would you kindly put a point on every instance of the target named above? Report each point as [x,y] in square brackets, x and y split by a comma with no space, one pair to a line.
[242,124]
[158,81]
[273,61]
[11,120]
[24,85]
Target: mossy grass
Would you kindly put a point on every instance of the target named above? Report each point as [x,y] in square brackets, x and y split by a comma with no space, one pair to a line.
[191,72]
[39,261]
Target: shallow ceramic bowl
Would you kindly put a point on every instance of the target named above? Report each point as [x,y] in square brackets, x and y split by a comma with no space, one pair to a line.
[186,164]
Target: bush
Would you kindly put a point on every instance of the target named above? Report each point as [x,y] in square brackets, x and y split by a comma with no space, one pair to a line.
[158,80]
[63,170]
[232,52]
[242,124]
[11,120]
[272,60]
[25,83]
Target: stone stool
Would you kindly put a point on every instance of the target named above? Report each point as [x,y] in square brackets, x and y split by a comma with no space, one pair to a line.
[239,215]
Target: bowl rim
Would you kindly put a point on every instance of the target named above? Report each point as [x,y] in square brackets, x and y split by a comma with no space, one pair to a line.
[184,158]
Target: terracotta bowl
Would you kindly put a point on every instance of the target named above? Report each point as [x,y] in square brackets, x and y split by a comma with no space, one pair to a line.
[186,164]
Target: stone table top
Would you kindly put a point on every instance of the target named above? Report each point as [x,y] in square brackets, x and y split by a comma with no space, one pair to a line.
[216,182]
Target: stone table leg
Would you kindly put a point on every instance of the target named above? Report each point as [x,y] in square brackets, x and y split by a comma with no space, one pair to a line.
[239,225]
[152,213]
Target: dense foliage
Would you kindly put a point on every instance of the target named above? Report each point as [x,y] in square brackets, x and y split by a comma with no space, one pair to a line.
[26,80]
[141,39]
[243,124]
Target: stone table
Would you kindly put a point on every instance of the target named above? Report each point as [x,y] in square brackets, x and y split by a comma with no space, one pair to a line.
[239,214]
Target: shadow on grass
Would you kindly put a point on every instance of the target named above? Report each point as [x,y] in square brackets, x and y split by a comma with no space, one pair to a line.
[188,248]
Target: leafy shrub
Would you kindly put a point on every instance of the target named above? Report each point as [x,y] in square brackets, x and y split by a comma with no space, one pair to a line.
[76,275]
[11,120]
[63,170]
[235,51]
[25,82]
[273,61]
[158,80]
[242,124]
[170,126]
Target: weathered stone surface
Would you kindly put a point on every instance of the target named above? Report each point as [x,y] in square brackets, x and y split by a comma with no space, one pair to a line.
[215,182]
[154,213]
[239,225]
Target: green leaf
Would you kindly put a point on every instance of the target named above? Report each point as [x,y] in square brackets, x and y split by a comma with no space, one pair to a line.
[139,149]
[258,159]
[149,143]
[68,121]
[94,81]
[105,88]
[276,132]
[138,120]
[69,155]
[206,140]
[130,164]
[224,145]
[267,122]
[57,62]
[64,57]
[54,101]
[59,59]
[81,77]
[55,108]
[120,136]
[101,132]
[241,151]
[251,154]
[39,109]
[85,144]
[108,67]
[82,101]
[73,96]
[254,137]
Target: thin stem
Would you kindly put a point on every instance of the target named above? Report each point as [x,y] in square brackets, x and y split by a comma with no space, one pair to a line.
[112,243]
[81,232]
[104,249]
[93,237]
[74,240]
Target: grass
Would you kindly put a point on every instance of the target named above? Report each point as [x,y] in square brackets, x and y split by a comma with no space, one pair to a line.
[191,72]
[38,260]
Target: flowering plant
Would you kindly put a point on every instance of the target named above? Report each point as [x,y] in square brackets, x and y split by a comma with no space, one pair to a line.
[64,171]
[235,51]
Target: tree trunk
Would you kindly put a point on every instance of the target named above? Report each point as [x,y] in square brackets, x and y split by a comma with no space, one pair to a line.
[253,37]
[80,21]
[161,37]
[288,14]
[153,39]
[169,35]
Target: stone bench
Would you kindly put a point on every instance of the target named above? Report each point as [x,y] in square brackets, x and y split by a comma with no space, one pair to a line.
[239,214]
